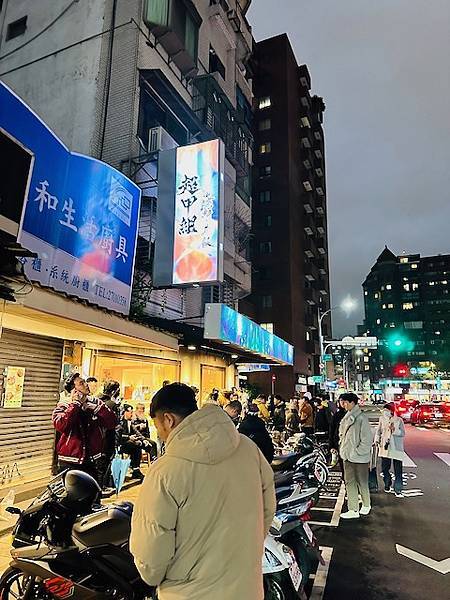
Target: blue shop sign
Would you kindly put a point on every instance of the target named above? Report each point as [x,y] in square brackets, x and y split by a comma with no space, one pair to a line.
[80,215]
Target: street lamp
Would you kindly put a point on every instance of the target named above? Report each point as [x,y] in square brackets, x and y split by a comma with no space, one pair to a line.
[347,305]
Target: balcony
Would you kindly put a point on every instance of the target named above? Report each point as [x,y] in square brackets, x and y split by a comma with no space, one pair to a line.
[310,296]
[213,108]
[321,245]
[309,247]
[175,25]
[311,271]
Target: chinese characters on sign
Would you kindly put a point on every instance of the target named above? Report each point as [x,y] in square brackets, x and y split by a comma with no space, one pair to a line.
[14,378]
[197,244]
[80,216]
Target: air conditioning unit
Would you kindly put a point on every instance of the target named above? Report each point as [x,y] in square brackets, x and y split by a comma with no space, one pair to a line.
[159,139]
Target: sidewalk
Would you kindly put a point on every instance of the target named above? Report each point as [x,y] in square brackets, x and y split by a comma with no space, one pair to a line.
[130,493]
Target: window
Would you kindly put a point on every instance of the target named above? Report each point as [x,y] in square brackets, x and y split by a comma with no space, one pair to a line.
[414,286]
[267,326]
[16,28]
[265,171]
[267,220]
[264,196]
[264,102]
[365,293]
[431,283]
[384,306]
[306,143]
[304,101]
[266,301]
[390,306]
[215,64]
[265,148]
[307,186]
[408,306]
[318,153]
[377,295]
[366,359]
[414,265]
[265,247]
[366,367]
[305,122]
[388,286]
[307,164]
[378,321]
[413,324]
[404,259]
[308,336]
[265,124]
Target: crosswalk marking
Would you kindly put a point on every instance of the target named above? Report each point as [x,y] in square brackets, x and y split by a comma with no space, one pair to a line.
[444,456]
[408,461]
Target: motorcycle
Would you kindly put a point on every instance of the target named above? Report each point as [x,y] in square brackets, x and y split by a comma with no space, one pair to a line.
[66,545]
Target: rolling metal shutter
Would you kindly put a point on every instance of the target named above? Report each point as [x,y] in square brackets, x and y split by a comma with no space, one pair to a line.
[27,434]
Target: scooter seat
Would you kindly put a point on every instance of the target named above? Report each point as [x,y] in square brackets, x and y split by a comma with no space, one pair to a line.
[285,462]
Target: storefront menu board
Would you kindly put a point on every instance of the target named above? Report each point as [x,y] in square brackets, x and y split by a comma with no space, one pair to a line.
[80,215]
[14,379]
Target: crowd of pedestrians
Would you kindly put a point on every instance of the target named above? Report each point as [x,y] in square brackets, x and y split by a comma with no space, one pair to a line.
[94,426]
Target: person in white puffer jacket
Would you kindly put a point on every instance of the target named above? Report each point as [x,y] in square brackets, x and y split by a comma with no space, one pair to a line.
[389,436]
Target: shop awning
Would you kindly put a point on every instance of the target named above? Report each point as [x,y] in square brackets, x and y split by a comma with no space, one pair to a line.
[47,313]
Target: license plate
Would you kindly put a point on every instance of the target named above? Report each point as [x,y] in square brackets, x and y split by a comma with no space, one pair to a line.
[438,415]
[308,531]
[296,575]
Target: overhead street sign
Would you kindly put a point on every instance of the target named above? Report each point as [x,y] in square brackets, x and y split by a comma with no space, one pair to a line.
[326,357]
[354,342]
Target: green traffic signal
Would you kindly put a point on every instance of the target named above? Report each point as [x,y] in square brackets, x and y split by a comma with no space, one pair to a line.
[398,342]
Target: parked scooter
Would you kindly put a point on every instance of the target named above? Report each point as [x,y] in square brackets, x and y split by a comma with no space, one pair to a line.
[65,545]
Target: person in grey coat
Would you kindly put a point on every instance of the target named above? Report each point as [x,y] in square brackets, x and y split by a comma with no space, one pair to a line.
[355,444]
[389,436]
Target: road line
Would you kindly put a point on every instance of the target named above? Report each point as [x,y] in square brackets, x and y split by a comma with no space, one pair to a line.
[320,580]
[322,508]
[321,523]
[408,461]
[441,566]
[444,456]
[338,508]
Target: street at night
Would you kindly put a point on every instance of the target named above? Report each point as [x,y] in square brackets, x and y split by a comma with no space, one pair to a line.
[224,300]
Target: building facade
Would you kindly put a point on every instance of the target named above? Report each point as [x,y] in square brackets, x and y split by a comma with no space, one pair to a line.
[407,306]
[138,76]
[289,236]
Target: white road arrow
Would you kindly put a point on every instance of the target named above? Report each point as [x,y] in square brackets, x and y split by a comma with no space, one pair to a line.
[441,566]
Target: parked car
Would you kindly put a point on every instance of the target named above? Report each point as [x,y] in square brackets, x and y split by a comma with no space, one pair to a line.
[436,413]
[404,408]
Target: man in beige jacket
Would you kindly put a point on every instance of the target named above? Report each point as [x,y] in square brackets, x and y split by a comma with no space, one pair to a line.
[205,506]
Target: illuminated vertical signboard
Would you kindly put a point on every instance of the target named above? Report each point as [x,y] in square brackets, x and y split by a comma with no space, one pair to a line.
[189,243]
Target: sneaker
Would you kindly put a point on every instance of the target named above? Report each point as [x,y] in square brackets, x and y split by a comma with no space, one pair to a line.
[350,514]
[137,474]
[399,495]
[364,510]
[389,490]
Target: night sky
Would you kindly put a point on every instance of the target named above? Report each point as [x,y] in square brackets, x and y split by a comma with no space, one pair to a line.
[383,69]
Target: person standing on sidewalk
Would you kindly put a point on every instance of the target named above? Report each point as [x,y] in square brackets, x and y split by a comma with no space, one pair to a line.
[205,507]
[306,414]
[355,444]
[334,434]
[82,423]
[389,436]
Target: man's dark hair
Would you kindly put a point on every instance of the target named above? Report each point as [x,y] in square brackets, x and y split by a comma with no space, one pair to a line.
[279,397]
[176,398]
[111,387]
[89,379]
[69,383]
[235,405]
[390,406]
[349,397]
[127,407]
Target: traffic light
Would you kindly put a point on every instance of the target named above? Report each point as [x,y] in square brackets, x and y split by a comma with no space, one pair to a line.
[396,342]
[400,370]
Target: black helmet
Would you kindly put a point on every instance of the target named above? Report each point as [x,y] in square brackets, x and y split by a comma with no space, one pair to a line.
[81,491]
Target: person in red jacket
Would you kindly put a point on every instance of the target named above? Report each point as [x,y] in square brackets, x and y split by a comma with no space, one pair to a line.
[82,423]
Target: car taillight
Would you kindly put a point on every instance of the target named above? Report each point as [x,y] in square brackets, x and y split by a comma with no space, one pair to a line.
[401,409]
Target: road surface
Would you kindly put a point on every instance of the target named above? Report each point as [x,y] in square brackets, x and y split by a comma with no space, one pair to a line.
[366,563]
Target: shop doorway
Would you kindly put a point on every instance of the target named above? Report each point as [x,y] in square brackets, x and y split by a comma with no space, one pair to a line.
[211,377]
[139,377]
